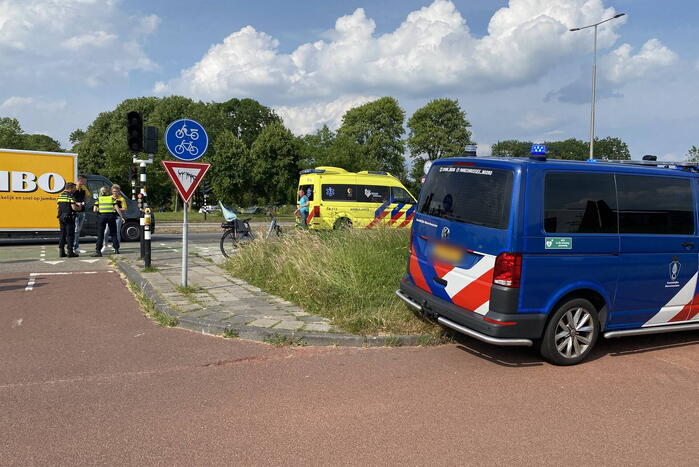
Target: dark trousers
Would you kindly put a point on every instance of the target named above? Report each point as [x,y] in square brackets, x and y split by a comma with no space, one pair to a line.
[67,224]
[107,220]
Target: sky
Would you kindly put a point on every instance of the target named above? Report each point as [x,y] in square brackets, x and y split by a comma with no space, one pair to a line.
[513,65]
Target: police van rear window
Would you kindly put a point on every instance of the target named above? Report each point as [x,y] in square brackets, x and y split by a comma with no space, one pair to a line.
[473,195]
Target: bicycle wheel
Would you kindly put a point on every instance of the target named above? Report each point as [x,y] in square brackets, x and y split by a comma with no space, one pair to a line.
[229,243]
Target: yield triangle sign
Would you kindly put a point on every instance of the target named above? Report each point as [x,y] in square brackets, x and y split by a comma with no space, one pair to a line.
[186,176]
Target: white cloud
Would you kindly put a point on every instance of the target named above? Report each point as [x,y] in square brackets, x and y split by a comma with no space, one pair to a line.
[29,104]
[621,65]
[307,118]
[88,41]
[536,121]
[432,49]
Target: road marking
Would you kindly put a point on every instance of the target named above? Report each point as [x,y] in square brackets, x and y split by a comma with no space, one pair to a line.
[65,273]
[32,276]
[89,260]
[53,262]
[163,244]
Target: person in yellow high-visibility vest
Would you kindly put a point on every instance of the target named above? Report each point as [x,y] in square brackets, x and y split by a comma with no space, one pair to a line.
[107,217]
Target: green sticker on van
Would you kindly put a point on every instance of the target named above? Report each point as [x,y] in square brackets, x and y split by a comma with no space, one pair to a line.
[558,243]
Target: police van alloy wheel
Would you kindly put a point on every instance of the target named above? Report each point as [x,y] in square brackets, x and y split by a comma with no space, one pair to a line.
[571,333]
[131,231]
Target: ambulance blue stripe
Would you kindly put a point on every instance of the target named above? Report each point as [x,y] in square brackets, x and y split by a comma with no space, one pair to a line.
[381,209]
[410,211]
[397,209]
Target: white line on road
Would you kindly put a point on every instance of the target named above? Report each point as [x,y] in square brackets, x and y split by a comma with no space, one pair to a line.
[32,276]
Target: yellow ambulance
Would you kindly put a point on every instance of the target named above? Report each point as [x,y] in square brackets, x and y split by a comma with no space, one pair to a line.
[365,200]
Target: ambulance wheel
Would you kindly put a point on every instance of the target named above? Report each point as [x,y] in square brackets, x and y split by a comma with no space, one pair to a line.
[342,224]
[131,232]
[571,333]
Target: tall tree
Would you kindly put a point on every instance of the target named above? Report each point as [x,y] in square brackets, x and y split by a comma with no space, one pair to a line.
[611,148]
[439,129]
[378,128]
[274,160]
[315,148]
[13,137]
[230,170]
[246,118]
[512,148]
[693,154]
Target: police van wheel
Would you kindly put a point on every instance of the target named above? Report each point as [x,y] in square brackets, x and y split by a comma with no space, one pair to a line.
[342,224]
[131,232]
[571,333]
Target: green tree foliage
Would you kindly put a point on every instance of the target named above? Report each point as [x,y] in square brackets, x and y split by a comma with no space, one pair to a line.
[274,160]
[230,172]
[246,118]
[315,148]
[611,148]
[693,154]
[377,127]
[12,137]
[102,147]
[439,129]
[575,149]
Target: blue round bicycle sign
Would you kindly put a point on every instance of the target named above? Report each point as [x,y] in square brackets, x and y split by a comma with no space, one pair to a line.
[186,139]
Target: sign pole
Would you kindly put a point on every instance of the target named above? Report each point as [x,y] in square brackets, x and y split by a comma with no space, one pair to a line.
[185,245]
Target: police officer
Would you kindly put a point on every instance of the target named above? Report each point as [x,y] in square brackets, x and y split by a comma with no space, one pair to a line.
[66,206]
[81,195]
[107,217]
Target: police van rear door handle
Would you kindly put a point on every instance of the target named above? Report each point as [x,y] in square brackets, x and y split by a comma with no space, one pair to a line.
[688,245]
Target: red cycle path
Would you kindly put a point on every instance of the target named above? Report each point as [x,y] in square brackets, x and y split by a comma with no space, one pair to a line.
[85,378]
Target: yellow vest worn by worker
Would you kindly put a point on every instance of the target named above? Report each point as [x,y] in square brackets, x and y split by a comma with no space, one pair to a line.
[105,204]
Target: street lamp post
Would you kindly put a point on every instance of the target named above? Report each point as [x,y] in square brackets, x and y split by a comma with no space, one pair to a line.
[594,79]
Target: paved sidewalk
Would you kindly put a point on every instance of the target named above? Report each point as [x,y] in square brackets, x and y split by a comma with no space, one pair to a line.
[221,303]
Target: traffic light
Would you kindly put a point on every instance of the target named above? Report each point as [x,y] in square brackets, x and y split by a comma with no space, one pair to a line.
[205,187]
[134,131]
[150,144]
[133,173]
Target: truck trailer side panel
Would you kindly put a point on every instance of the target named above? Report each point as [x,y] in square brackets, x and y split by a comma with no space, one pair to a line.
[30,182]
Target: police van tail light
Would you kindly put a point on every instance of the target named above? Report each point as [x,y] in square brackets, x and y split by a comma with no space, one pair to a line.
[508,269]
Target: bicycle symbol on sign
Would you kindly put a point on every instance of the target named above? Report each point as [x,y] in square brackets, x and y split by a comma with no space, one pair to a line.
[187,146]
[183,132]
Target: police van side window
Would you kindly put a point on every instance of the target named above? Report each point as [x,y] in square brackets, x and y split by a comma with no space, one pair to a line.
[655,205]
[580,203]
[332,192]
[372,193]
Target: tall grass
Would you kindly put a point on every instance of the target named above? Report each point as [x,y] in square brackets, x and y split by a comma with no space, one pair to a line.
[347,276]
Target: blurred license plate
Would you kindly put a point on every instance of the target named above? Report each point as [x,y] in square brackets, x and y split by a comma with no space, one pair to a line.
[447,253]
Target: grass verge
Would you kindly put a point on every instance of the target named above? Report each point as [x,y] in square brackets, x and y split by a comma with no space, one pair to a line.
[188,290]
[349,277]
[150,269]
[281,340]
[149,308]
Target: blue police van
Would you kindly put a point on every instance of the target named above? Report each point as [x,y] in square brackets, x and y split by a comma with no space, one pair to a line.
[553,253]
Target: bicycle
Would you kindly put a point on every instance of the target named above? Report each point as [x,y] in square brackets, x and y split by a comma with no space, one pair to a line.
[236,231]
[274,227]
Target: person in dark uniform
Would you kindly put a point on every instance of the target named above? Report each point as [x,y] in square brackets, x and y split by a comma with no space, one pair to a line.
[81,195]
[105,207]
[66,208]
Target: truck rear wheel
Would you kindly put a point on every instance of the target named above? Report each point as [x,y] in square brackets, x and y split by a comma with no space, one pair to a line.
[131,231]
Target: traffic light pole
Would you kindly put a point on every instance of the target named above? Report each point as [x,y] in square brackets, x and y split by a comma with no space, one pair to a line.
[145,216]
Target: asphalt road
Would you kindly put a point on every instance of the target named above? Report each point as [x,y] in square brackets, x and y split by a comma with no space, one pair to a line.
[87,379]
